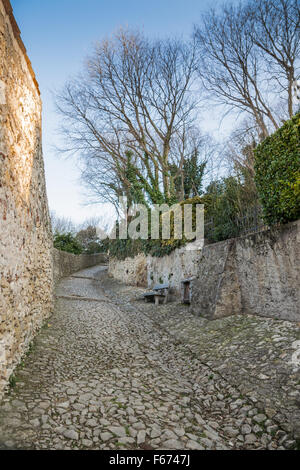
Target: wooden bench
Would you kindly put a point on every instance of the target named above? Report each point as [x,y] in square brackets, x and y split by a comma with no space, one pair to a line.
[160,292]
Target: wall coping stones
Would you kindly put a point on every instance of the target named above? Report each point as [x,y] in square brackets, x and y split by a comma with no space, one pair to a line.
[17,34]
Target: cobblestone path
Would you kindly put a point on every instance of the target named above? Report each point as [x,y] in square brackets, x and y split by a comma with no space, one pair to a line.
[104,374]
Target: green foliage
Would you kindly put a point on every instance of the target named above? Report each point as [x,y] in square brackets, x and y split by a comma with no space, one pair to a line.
[129,248]
[30,349]
[278,174]
[12,382]
[188,182]
[122,249]
[225,201]
[67,242]
[135,192]
[230,206]
[141,186]
[193,176]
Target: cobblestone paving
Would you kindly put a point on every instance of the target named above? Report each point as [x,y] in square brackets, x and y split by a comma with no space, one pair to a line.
[110,372]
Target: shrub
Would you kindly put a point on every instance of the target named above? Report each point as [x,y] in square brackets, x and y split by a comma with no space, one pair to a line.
[278,174]
[89,240]
[122,249]
[67,242]
[226,201]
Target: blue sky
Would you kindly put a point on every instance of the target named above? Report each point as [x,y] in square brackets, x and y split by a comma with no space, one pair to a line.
[58,34]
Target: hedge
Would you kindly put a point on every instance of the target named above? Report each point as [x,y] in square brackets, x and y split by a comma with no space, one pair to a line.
[122,249]
[67,242]
[277,167]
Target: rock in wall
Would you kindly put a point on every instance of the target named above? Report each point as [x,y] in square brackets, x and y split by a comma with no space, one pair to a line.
[26,278]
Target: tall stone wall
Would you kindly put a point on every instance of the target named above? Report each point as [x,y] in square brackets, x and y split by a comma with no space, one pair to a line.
[26,278]
[257,274]
[214,270]
[65,263]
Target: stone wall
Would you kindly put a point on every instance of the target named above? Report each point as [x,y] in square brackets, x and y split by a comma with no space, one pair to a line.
[65,263]
[213,269]
[147,271]
[172,269]
[131,271]
[26,277]
[257,274]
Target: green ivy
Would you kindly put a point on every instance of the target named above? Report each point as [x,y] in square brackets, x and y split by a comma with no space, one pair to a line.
[277,166]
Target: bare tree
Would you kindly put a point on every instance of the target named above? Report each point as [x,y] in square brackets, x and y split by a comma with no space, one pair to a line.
[62,225]
[248,58]
[100,225]
[275,29]
[132,99]
[238,149]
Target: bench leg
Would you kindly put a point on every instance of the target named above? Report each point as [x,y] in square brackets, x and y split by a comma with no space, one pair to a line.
[166,299]
[156,300]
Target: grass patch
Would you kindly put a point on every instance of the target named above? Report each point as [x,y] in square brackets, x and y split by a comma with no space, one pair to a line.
[30,350]
[12,382]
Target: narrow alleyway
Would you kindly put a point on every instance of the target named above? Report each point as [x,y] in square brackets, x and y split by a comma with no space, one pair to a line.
[100,376]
